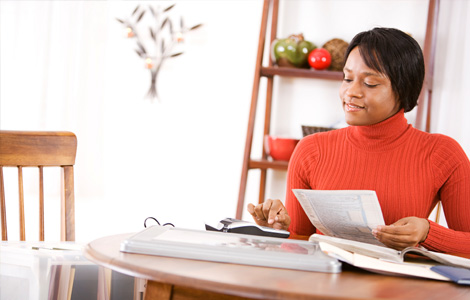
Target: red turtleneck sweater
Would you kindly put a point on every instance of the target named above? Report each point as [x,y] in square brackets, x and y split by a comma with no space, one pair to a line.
[409,170]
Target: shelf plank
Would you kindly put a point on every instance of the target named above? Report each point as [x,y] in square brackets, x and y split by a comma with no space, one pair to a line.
[304,73]
[267,164]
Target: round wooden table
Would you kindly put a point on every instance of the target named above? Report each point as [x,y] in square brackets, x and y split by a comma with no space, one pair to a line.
[176,278]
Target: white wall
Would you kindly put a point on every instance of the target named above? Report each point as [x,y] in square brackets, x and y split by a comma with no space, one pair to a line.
[65,65]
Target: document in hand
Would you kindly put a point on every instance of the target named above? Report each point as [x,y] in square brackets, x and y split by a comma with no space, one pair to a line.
[386,260]
[346,214]
[231,248]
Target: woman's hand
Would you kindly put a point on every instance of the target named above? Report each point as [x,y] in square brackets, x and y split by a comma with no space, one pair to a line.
[406,232]
[270,213]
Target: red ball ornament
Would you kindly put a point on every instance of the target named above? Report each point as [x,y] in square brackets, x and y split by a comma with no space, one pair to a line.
[319,59]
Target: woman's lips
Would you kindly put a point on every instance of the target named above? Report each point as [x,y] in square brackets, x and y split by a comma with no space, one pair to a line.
[350,107]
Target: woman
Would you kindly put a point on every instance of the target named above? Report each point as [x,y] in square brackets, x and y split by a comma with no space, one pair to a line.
[410,170]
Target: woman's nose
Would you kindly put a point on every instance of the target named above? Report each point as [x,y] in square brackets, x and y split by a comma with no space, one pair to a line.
[354,90]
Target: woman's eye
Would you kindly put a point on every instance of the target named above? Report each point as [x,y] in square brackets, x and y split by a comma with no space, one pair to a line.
[347,80]
[370,85]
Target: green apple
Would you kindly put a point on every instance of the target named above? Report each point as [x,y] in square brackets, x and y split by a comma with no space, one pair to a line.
[292,51]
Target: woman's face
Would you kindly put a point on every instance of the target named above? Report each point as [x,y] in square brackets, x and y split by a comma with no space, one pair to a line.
[366,94]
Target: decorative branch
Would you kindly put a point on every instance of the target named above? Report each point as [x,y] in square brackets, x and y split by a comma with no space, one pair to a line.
[156,45]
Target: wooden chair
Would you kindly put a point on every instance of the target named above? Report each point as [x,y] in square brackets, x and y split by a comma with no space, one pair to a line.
[22,149]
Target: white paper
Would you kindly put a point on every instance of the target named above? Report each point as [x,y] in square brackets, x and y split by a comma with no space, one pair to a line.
[348,214]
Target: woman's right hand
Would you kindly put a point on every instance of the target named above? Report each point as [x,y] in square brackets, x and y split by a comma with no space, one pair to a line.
[270,213]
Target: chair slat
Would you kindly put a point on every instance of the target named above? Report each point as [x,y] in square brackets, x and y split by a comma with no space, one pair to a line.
[68,205]
[21,204]
[41,203]
[438,212]
[3,209]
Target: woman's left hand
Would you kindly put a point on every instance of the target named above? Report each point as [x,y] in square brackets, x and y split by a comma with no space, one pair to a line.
[406,232]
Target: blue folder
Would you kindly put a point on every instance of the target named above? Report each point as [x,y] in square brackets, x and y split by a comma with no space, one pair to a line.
[458,275]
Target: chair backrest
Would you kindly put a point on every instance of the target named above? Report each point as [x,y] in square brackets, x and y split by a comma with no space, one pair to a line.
[40,149]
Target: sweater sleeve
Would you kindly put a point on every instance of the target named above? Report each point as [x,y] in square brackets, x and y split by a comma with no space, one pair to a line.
[452,176]
[302,162]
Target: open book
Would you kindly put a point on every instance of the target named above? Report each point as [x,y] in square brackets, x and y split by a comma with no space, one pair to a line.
[389,254]
[381,266]
[388,261]
[347,218]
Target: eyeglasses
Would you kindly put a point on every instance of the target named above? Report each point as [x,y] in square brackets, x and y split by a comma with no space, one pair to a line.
[152,218]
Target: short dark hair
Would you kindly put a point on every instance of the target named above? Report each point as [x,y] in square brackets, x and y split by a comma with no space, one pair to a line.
[396,55]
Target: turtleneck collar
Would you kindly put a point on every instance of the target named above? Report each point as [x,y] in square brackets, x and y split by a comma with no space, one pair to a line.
[382,136]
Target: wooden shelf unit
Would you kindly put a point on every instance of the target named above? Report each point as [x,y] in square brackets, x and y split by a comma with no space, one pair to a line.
[303,73]
[263,164]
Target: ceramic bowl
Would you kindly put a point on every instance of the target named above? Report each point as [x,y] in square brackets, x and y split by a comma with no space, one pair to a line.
[280,148]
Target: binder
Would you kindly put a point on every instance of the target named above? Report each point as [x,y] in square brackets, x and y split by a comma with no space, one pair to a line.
[231,248]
